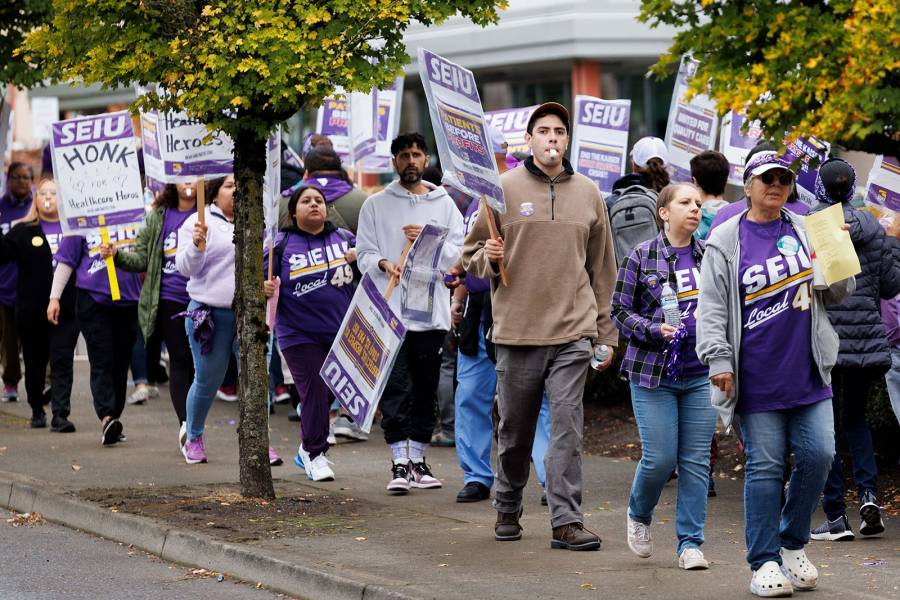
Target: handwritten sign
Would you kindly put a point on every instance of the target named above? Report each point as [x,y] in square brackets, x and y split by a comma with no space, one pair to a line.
[180,148]
[96,167]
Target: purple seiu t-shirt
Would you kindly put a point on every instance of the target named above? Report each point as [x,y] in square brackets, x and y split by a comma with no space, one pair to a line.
[10,210]
[53,232]
[317,286]
[798,207]
[173,285]
[687,280]
[777,370]
[83,255]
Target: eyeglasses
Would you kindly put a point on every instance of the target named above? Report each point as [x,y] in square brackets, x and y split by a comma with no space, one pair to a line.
[785,178]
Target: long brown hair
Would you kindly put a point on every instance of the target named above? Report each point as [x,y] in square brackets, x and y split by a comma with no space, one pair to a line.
[655,172]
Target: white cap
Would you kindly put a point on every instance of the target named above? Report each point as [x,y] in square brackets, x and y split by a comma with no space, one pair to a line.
[647,148]
[497,139]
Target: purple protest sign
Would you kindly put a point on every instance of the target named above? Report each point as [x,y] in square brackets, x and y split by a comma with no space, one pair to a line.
[97,174]
[512,123]
[363,353]
[883,188]
[182,148]
[808,153]
[600,139]
[333,120]
[448,75]
[693,124]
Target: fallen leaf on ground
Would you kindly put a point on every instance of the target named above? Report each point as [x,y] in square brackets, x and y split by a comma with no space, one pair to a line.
[76,468]
[360,539]
[26,519]
[588,586]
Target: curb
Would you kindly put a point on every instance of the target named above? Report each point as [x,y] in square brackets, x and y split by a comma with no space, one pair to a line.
[188,548]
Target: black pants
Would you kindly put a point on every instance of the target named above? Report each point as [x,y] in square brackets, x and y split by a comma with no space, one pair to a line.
[63,338]
[181,363]
[109,332]
[35,339]
[407,404]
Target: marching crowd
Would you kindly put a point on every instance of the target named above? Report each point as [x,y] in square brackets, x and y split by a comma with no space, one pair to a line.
[716,304]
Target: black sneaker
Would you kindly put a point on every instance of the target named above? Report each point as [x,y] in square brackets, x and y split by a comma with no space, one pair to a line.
[420,476]
[61,425]
[473,492]
[544,498]
[833,531]
[38,420]
[870,513]
[112,429]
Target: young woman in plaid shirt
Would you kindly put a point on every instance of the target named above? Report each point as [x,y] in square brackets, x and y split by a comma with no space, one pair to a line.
[669,384]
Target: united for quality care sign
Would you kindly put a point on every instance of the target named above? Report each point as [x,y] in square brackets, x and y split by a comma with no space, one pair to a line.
[97,174]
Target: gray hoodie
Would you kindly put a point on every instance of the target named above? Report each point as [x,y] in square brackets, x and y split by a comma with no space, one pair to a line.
[380,235]
[719,311]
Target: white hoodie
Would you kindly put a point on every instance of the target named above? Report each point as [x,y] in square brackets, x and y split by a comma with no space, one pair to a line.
[380,236]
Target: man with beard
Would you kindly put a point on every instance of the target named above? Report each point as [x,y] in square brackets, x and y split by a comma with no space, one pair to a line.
[387,221]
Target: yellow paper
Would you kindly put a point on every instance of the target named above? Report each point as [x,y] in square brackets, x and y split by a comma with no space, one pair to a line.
[832,245]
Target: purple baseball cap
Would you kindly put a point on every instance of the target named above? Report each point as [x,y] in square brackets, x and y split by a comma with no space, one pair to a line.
[761,162]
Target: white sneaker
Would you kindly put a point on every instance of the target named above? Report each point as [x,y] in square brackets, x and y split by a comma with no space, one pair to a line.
[140,395]
[319,469]
[770,582]
[691,558]
[803,574]
[345,427]
[152,391]
[331,439]
[182,434]
[639,539]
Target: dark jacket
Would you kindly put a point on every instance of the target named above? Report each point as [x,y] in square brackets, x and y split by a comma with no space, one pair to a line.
[35,261]
[858,319]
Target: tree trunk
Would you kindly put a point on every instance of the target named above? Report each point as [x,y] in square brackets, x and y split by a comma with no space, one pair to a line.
[249,302]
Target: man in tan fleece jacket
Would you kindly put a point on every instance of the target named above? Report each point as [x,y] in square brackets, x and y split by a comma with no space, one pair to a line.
[556,244]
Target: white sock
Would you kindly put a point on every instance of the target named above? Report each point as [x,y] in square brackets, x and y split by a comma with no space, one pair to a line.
[400,452]
[417,451]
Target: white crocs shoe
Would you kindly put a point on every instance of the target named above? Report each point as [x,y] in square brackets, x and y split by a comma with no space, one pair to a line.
[770,582]
[802,573]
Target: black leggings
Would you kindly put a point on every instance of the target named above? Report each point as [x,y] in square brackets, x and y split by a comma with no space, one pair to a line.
[181,363]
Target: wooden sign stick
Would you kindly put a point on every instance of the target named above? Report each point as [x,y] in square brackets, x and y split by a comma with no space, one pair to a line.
[272,258]
[110,264]
[394,281]
[201,206]
[495,234]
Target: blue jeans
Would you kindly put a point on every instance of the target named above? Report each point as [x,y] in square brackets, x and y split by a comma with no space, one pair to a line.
[209,369]
[769,437]
[476,379]
[676,422]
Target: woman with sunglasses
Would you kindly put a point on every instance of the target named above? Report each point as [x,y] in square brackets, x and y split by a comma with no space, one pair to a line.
[669,384]
[31,244]
[764,332]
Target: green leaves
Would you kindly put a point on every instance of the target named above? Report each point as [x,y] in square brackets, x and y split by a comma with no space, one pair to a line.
[814,68]
[238,66]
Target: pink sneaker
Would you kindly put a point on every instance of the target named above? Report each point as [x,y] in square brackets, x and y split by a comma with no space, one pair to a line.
[274,459]
[194,452]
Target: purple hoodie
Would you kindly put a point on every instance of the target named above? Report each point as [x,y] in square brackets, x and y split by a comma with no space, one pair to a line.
[317,285]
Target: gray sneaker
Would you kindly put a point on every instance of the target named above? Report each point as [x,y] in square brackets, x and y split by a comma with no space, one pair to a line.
[345,427]
[639,539]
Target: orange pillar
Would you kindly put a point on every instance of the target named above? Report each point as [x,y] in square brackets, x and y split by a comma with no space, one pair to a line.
[586,78]
[369,180]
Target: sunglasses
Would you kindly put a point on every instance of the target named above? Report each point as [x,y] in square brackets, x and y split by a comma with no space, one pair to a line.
[785,178]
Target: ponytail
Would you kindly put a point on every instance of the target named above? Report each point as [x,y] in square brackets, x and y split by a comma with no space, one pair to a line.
[655,173]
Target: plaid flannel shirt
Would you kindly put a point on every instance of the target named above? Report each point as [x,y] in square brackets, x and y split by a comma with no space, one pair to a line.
[637,307]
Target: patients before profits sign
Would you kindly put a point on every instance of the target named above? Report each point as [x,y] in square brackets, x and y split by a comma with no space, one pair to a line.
[96,166]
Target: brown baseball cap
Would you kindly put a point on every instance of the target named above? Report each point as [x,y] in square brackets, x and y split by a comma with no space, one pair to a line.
[549,108]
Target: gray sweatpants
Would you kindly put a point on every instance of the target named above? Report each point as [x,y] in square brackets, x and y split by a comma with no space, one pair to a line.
[523,372]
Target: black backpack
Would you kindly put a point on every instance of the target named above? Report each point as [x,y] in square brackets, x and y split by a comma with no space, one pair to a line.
[632,217]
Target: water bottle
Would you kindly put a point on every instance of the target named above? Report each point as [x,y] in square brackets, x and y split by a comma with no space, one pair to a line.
[601,353]
[671,312]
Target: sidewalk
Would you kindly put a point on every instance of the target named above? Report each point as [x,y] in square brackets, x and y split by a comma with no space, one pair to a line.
[423,545]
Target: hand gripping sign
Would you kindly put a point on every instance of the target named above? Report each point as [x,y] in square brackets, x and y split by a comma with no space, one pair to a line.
[362,356]
[459,128]
[98,179]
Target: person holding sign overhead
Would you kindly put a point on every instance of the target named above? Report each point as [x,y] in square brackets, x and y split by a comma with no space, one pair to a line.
[206,258]
[164,293]
[108,325]
[31,244]
[315,278]
[764,333]
[556,244]
[389,222]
